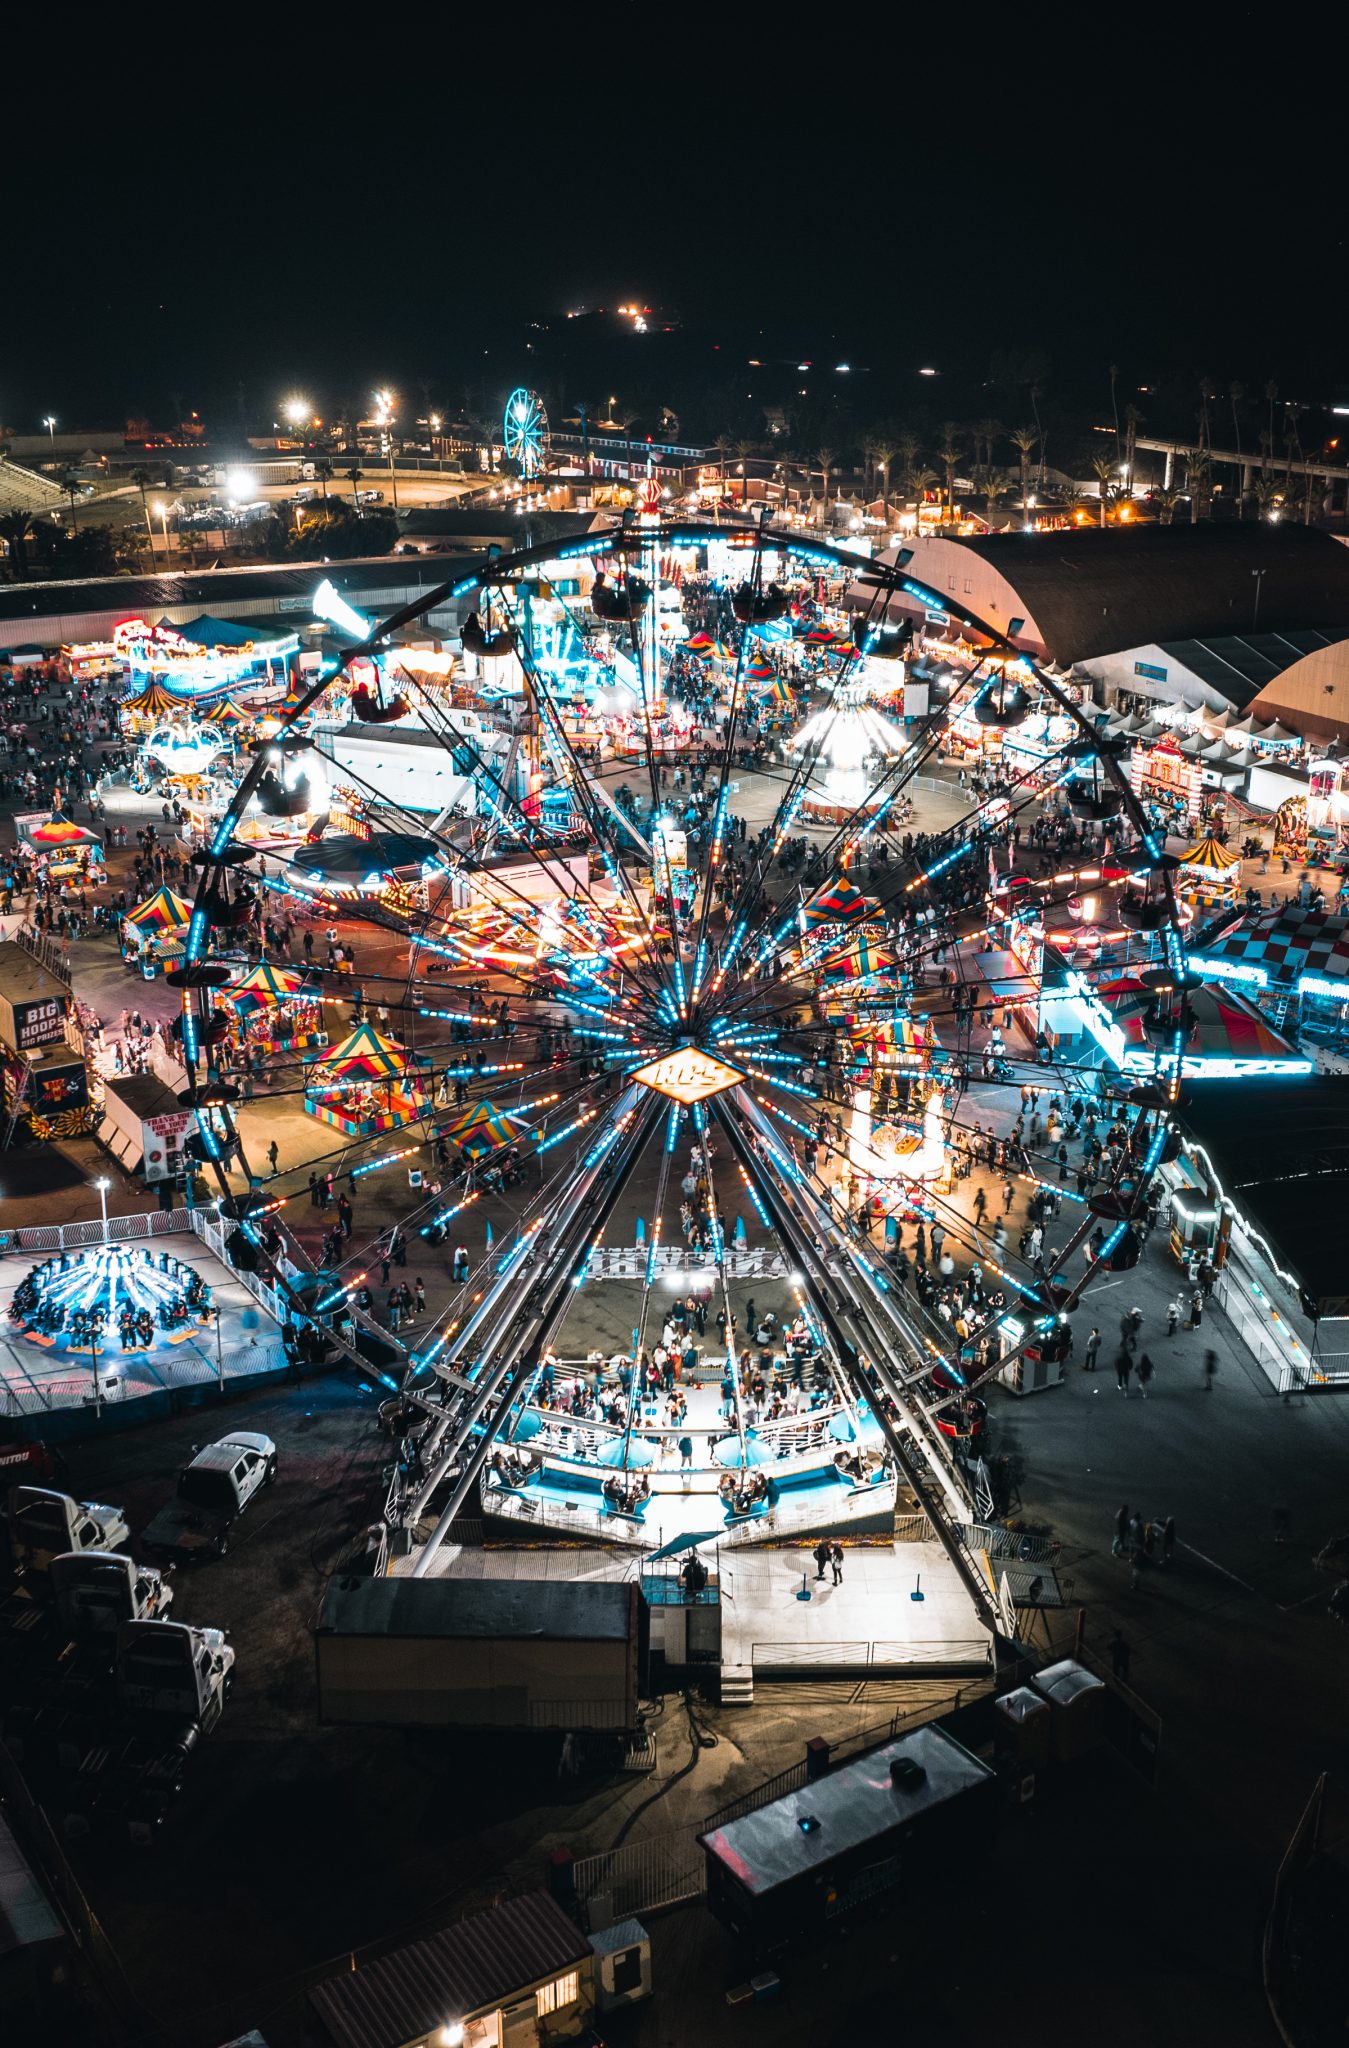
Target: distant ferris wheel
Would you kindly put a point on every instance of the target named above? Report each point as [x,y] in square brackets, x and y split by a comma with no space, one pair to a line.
[525,430]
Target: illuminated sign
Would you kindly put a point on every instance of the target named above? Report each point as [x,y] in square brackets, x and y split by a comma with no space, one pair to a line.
[1319,985]
[1231,970]
[688,1075]
[1150,670]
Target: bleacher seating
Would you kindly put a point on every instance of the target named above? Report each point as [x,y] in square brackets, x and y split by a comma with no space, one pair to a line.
[23,490]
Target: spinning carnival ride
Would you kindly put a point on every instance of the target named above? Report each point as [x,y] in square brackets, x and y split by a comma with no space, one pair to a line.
[686,988]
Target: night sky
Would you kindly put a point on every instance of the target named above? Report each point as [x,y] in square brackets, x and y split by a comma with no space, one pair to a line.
[223,214]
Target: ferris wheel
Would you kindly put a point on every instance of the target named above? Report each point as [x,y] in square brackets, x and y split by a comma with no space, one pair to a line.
[525,431]
[567,1032]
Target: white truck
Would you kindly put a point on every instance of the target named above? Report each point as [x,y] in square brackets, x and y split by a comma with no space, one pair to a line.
[213,1492]
[97,1590]
[44,1524]
[170,1676]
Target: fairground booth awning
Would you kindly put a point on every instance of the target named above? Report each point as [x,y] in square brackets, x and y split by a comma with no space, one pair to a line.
[162,912]
[227,713]
[152,703]
[1294,951]
[365,1085]
[1207,857]
[485,1129]
[840,902]
[265,984]
[60,835]
[1278,1151]
[1231,1039]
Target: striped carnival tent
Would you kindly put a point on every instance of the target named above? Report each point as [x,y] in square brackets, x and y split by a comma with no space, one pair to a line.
[163,912]
[485,1129]
[1209,857]
[839,902]
[227,713]
[265,984]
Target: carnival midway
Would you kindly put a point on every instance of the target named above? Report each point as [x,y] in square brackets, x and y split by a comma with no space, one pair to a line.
[691,1033]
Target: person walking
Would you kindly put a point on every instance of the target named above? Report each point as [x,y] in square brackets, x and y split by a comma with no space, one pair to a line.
[273,1155]
[1119,1656]
[686,1453]
[836,1562]
[1173,1316]
[1145,1372]
[1210,1368]
[980,1204]
[1196,1310]
[1093,1350]
[1124,1365]
[821,1557]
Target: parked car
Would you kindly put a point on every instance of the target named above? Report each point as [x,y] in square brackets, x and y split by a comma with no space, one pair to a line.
[213,1492]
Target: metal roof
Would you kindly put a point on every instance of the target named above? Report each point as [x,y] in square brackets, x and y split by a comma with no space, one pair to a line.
[847,1808]
[138,596]
[1283,1158]
[589,1611]
[1239,665]
[462,1971]
[1093,593]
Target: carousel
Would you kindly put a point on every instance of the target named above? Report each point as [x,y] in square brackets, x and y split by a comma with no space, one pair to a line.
[366,1085]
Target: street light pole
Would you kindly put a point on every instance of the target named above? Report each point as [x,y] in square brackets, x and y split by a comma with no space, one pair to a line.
[103,1186]
[1259,576]
[219,1354]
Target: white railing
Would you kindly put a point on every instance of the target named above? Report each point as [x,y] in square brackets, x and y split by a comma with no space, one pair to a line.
[212,1233]
[60,1237]
[794,1515]
[880,1656]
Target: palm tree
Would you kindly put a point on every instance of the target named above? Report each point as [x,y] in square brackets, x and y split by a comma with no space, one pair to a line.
[16,530]
[1265,490]
[1103,469]
[993,482]
[906,447]
[1025,440]
[723,445]
[949,455]
[986,432]
[1271,399]
[142,478]
[884,454]
[744,449]
[70,484]
[920,482]
[1133,420]
[825,458]
[1197,469]
[322,472]
[355,476]
[1164,497]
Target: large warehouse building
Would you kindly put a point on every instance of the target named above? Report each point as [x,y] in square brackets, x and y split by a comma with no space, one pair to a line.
[1252,616]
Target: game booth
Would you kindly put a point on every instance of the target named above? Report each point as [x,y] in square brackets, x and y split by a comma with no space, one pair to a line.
[154,933]
[275,1009]
[63,851]
[1209,877]
[366,1085]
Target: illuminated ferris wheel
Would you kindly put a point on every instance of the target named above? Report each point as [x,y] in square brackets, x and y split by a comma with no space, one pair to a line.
[525,431]
[593,979]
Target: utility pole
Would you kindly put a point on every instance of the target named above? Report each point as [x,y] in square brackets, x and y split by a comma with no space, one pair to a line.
[1259,577]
